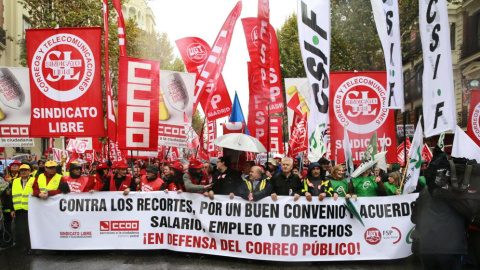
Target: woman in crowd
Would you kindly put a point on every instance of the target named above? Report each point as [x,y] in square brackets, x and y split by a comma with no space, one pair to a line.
[339,182]
[367,185]
[167,175]
[101,175]
[177,178]
[393,185]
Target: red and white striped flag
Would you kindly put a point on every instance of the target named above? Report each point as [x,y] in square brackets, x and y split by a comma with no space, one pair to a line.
[122,37]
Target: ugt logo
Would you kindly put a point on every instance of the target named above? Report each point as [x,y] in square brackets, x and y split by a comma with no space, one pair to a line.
[62,68]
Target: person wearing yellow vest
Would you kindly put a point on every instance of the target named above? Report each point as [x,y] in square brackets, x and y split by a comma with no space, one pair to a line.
[13,171]
[47,183]
[21,189]
[314,185]
[256,186]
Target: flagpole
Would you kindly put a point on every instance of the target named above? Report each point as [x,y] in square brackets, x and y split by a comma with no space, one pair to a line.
[404,138]
[201,137]
[268,127]
[404,173]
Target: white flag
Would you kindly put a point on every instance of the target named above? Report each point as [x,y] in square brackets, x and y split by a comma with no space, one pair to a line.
[438,89]
[382,162]
[314,38]
[316,145]
[413,170]
[388,28]
[464,146]
[348,155]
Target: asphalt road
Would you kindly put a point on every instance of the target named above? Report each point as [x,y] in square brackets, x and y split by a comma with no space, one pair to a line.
[164,259]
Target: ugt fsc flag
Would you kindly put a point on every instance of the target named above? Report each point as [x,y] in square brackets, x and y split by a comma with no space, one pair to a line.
[438,90]
[65,81]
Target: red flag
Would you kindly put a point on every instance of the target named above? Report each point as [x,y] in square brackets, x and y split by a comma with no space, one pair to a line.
[216,59]
[138,91]
[262,57]
[194,53]
[295,105]
[299,139]
[192,136]
[257,112]
[473,126]
[401,151]
[426,153]
[111,119]
[66,84]
[122,37]
[274,93]
[212,135]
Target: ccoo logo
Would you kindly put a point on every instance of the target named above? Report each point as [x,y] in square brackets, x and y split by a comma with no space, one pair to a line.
[63,67]
[359,104]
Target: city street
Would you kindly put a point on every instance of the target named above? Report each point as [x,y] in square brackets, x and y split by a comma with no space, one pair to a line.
[163,259]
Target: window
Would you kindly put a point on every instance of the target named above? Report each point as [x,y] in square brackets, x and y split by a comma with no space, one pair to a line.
[418,81]
[406,82]
[452,36]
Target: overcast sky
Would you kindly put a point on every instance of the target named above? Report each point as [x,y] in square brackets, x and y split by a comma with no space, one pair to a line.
[204,18]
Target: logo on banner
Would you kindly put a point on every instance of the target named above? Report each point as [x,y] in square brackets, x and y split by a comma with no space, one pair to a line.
[75,224]
[254,36]
[393,234]
[77,146]
[475,121]
[359,104]
[118,226]
[373,236]
[63,67]
[196,53]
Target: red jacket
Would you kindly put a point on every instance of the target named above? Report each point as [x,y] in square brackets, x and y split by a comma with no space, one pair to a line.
[81,184]
[36,189]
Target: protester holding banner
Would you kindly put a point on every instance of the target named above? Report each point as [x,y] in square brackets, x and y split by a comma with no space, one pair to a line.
[313,185]
[393,185]
[367,185]
[226,181]
[338,181]
[46,184]
[256,186]
[196,180]
[167,175]
[120,181]
[101,176]
[21,189]
[176,184]
[75,181]
[151,181]
[286,183]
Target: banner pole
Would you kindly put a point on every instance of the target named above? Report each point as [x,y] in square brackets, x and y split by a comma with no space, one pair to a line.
[168,151]
[201,137]
[404,138]
[268,127]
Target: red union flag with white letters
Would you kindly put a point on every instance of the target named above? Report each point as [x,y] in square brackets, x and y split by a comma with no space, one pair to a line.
[138,92]
[473,127]
[357,104]
[65,81]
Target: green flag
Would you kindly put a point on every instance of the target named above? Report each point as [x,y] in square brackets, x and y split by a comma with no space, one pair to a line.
[372,148]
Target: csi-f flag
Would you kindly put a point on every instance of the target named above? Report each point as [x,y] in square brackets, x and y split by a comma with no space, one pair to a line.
[438,90]
[316,144]
[314,37]
[388,27]
[413,170]
[372,148]
[382,163]
[348,155]
[464,146]
[237,113]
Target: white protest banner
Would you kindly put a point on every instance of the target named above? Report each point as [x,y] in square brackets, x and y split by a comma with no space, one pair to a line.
[59,155]
[17,142]
[264,230]
[77,145]
[438,89]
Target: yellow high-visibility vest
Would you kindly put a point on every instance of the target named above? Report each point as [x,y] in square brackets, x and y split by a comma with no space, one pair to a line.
[20,195]
[52,185]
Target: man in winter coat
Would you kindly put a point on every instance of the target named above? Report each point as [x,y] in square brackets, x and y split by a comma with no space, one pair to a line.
[286,183]
[196,180]
[314,185]
[151,181]
[256,186]
[226,180]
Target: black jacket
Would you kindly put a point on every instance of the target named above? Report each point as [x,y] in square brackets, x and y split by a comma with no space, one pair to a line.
[226,182]
[263,189]
[283,185]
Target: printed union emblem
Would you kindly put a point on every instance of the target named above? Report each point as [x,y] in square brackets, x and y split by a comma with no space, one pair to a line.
[359,105]
[196,52]
[75,224]
[373,236]
[63,67]
[254,36]
[475,121]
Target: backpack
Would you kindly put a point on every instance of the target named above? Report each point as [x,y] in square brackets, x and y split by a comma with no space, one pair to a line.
[456,180]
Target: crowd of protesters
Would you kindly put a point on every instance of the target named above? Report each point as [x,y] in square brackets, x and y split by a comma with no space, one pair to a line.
[278,177]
